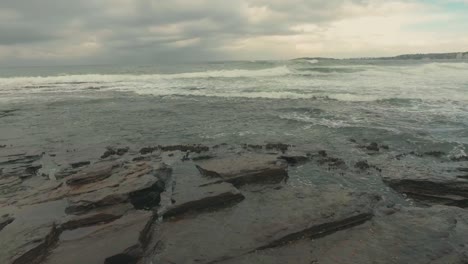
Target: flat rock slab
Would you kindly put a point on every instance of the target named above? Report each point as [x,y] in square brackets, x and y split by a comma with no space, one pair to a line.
[240,170]
[138,183]
[9,186]
[93,174]
[202,198]
[39,210]
[192,192]
[17,162]
[5,220]
[434,235]
[295,158]
[100,216]
[33,231]
[121,241]
[262,220]
[141,180]
[430,185]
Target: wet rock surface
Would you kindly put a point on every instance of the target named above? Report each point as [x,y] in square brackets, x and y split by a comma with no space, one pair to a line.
[295,158]
[5,220]
[191,192]
[105,207]
[412,235]
[245,169]
[233,204]
[428,185]
[94,174]
[202,198]
[263,220]
[120,241]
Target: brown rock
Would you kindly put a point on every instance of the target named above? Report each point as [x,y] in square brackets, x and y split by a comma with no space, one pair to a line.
[434,235]
[96,173]
[294,159]
[202,198]
[120,241]
[245,169]
[185,148]
[5,220]
[429,184]
[262,220]
[33,232]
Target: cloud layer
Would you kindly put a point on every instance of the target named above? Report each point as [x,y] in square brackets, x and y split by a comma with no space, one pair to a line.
[148,31]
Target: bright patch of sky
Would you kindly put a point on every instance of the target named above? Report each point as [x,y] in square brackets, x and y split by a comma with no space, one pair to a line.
[143,31]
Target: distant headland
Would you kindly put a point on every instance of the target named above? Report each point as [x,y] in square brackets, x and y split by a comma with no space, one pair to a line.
[420,56]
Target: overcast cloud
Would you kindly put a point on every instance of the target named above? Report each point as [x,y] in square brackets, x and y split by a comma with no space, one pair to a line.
[148,31]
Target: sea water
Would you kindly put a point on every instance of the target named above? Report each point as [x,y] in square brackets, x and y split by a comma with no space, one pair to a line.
[301,102]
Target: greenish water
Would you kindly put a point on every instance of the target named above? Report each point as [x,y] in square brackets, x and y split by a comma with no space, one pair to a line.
[412,104]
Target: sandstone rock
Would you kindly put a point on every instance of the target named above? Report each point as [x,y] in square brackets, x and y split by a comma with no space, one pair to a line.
[202,198]
[40,213]
[185,148]
[436,154]
[245,169]
[122,151]
[110,151]
[140,158]
[262,220]
[294,159]
[429,185]
[31,246]
[194,193]
[137,184]
[20,164]
[79,164]
[33,169]
[96,173]
[434,235]
[251,146]
[5,220]
[202,157]
[32,233]
[9,186]
[120,241]
[103,215]
[147,150]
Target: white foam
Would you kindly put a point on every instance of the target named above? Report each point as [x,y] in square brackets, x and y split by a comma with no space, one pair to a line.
[431,81]
[322,121]
[103,78]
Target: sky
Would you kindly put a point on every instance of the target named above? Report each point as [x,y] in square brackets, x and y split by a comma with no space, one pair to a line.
[66,32]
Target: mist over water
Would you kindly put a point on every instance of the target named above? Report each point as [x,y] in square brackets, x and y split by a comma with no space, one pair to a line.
[299,102]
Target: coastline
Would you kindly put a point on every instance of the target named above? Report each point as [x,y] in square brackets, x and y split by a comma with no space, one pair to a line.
[232,204]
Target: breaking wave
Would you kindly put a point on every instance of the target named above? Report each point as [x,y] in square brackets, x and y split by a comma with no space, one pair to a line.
[103,78]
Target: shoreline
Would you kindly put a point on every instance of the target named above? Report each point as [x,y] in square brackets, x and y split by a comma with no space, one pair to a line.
[232,204]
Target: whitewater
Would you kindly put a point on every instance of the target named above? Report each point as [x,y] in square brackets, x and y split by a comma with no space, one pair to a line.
[304,101]
[292,79]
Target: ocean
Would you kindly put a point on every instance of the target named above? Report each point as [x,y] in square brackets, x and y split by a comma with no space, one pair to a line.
[359,121]
[297,101]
